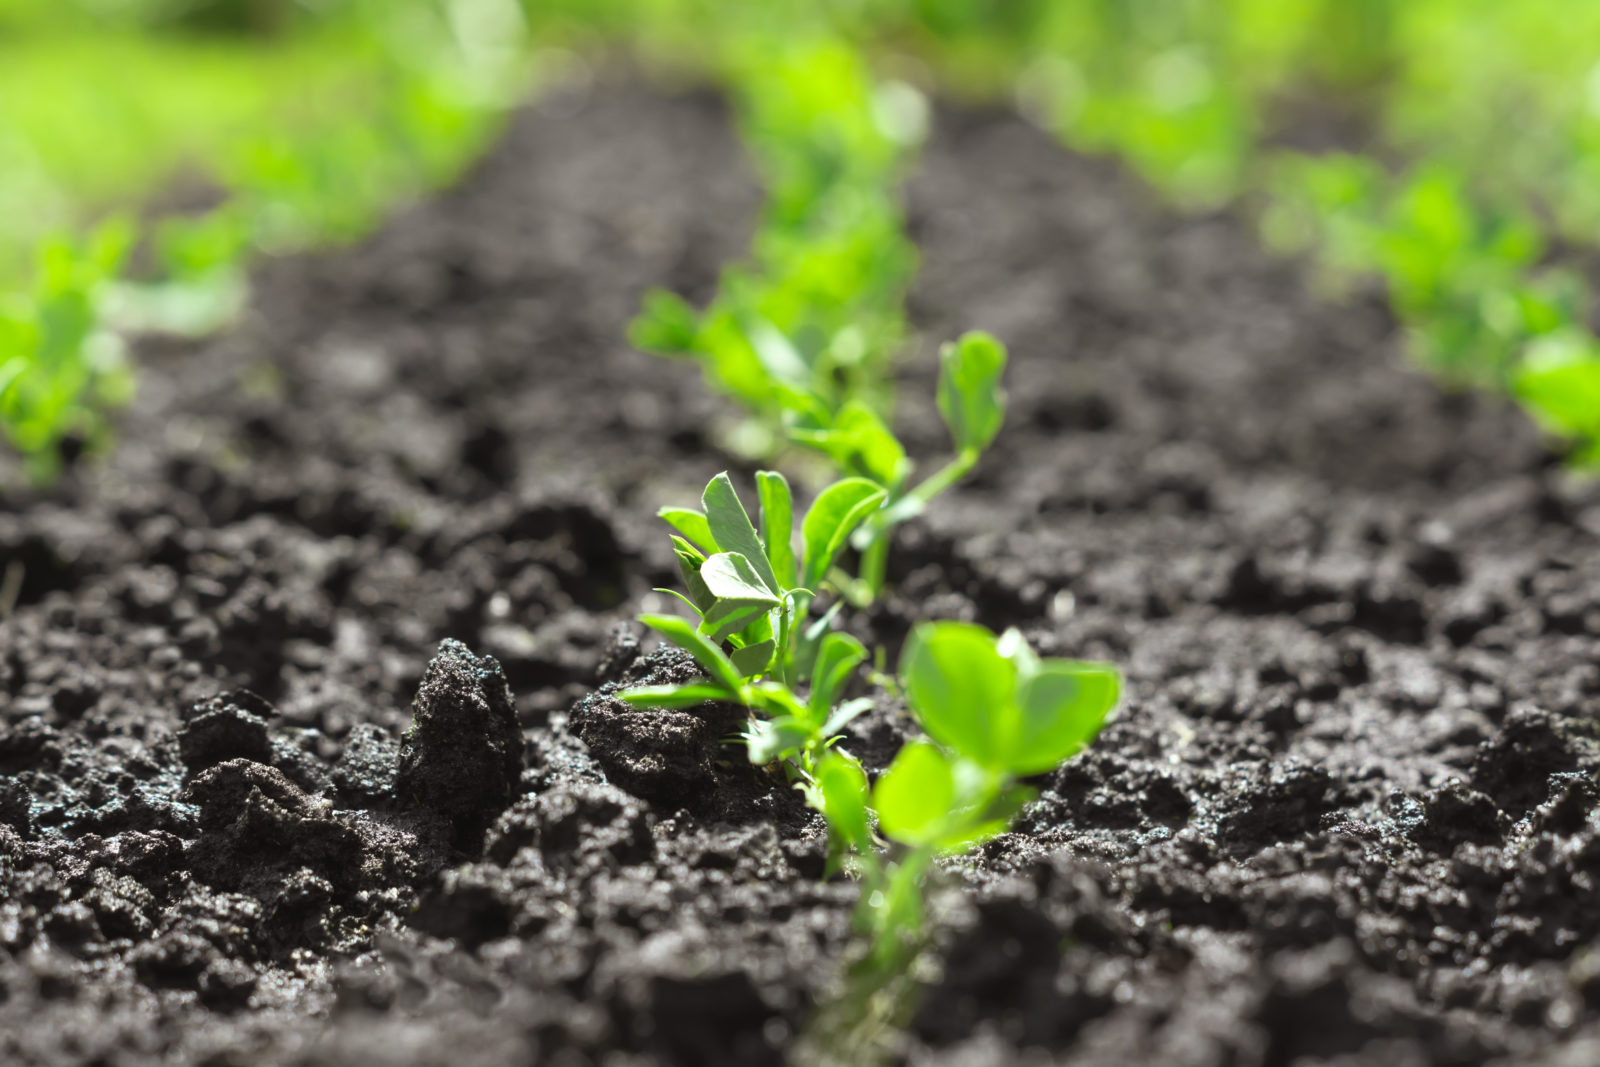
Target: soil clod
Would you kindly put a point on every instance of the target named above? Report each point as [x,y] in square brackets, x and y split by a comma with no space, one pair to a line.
[462,756]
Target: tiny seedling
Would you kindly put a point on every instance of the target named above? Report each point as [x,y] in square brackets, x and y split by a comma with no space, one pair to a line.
[994,713]
[752,595]
[1559,381]
[60,369]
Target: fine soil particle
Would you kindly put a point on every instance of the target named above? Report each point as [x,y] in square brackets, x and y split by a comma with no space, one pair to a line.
[311,752]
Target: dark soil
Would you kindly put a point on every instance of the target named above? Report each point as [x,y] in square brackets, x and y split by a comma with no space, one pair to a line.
[1348,814]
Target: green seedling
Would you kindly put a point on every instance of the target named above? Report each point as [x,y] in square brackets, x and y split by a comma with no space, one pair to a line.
[421,103]
[806,326]
[60,369]
[994,713]
[750,597]
[859,445]
[1559,381]
[202,276]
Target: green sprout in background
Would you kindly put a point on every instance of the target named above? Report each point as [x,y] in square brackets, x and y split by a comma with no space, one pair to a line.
[231,91]
[802,334]
[1480,145]
[1471,192]
[60,368]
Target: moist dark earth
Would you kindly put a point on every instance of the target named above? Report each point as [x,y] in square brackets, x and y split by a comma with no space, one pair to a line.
[1347,814]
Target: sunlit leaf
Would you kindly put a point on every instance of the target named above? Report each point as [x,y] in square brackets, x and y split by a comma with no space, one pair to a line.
[777,526]
[841,788]
[836,512]
[731,529]
[915,795]
[692,525]
[970,397]
[682,632]
[1063,705]
[962,690]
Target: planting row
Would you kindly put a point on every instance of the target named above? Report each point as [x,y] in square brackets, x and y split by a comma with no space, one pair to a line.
[1488,107]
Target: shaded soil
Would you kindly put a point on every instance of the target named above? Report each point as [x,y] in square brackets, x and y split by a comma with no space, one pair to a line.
[1347,815]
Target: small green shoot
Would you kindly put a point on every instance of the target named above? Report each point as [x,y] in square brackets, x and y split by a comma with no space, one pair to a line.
[801,334]
[972,403]
[994,713]
[60,369]
[1559,381]
[752,597]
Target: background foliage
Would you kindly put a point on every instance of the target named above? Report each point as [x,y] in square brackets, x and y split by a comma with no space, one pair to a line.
[1446,149]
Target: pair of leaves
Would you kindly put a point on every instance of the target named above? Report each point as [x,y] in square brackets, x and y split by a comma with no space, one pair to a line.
[995,703]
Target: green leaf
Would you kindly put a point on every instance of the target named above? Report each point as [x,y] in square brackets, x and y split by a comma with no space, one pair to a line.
[682,632]
[666,326]
[739,597]
[768,740]
[689,562]
[857,439]
[970,397]
[840,793]
[690,695]
[727,617]
[732,531]
[733,576]
[838,655]
[775,700]
[962,690]
[692,524]
[837,511]
[877,452]
[845,714]
[914,797]
[1560,381]
[808,642]
[753,660]
[995,819]
[1063,705]
[11,372]
[1014,647]
[758,630]
[777,353]
[777,526]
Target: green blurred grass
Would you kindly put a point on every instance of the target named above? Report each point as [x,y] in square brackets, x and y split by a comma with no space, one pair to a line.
[92,123]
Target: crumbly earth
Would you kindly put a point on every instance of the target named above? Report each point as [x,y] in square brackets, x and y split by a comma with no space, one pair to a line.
[1347,815]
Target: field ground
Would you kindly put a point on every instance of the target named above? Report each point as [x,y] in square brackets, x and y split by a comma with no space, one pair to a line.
[1346,815]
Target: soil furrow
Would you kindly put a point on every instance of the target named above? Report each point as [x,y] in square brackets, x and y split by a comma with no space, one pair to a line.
[1348,812]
